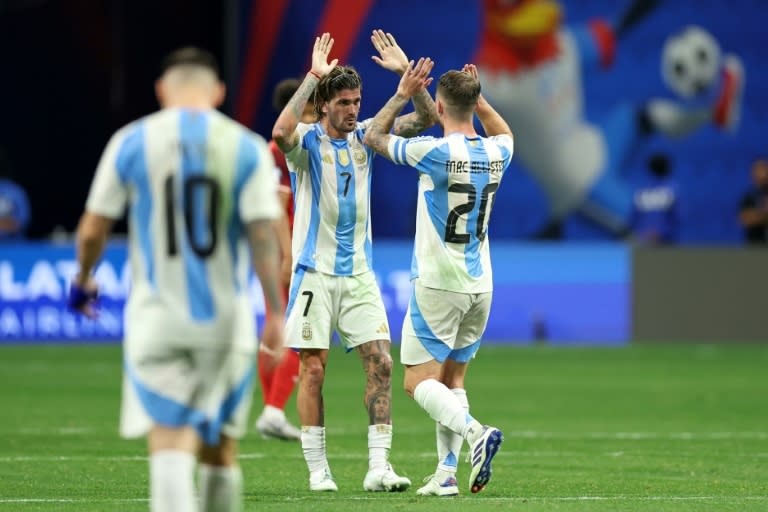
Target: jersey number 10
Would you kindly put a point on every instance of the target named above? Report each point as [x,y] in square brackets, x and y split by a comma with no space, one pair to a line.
[194,187]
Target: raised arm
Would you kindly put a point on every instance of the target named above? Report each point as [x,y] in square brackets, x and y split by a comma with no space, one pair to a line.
[493,123]
[393,58]
[414,81]
[284,131]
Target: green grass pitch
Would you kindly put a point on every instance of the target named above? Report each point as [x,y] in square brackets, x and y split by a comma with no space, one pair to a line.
[652,428]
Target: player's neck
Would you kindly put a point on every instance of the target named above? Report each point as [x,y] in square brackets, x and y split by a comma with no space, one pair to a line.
[465,128]
[188,101]
[331,131]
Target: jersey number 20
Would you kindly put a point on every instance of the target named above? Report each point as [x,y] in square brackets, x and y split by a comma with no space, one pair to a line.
[451,235]
[194,187]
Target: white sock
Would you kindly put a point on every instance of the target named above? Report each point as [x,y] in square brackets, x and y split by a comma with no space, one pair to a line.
[221,488]
[446,408]
[379,444]
[449,442]
[171,481]
[313,445]
[274,414]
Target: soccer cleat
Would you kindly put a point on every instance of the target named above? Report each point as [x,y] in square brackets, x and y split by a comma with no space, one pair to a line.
[728,107]
[385,479]
[482,452]
[322,481]
[434,487]
[270,428]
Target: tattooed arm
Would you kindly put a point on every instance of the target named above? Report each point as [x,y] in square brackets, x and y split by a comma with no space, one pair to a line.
[414,80]
[393,58]
[284,131]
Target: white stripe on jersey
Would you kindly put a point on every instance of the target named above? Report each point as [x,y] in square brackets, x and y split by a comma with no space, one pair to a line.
[332,221]
[194,179]
[458,180]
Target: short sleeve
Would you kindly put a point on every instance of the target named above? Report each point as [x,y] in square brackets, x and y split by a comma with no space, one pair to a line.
[258,197]
[413,151]
[506,144]
[298,157]
[109,194]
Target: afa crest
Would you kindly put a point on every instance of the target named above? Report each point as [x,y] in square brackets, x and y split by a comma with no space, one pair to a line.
[306,331]
[359,156]
[343,156]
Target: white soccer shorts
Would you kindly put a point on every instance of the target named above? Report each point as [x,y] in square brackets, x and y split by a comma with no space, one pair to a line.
[321,303]
[174,386]
[443,325]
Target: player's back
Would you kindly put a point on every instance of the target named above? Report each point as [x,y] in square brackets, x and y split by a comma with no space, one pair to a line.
[459,177]
[187,171]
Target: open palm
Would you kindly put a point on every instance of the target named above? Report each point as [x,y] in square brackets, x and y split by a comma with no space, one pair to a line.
[392,57]
[320,51]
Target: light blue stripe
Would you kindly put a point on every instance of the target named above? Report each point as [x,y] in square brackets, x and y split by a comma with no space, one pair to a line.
[298,276]
[368,241]
[477,155]
[345,224]
[464,354]
[212,433]
[437,198]
[193,132]
[163,410]
[403,146]
[429,341]
[311,143]
[132,168]
[396,151]
[450,460]
[168,412]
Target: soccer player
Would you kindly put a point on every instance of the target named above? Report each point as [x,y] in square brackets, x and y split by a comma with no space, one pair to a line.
[196,182]
[459,175]
[277,382]
[333,286]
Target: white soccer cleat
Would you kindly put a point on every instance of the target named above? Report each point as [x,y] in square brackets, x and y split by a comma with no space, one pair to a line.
[271,428]
[434,487]
[480,455]
[322,481]
[385,479]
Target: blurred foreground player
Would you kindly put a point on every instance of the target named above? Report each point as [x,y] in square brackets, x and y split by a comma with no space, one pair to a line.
[196,182]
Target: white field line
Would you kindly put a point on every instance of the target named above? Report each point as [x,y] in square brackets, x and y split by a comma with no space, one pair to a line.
[490,499]
[503,455]
[509,434]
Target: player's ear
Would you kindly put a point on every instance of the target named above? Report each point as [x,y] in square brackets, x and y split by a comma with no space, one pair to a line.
[160,91]
[219,93]
[439,106]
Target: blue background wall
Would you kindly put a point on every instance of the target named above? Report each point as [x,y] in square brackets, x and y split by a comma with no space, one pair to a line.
[574,294]
[711,167]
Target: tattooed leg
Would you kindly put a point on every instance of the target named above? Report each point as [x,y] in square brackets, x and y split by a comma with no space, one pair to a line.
[377,364]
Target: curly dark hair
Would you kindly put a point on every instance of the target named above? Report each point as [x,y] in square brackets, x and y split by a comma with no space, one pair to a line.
[340,78]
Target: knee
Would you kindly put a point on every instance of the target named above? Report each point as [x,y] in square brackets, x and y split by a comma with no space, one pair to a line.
[312,372]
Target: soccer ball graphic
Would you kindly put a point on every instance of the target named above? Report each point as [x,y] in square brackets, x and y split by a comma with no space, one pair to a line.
[690,61]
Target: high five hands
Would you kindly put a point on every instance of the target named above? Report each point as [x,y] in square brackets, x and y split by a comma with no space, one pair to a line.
[392,57]
[416,78]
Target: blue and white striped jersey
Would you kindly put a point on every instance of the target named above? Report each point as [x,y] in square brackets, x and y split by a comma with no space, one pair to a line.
[194,179]
[331,181]
[458,180]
